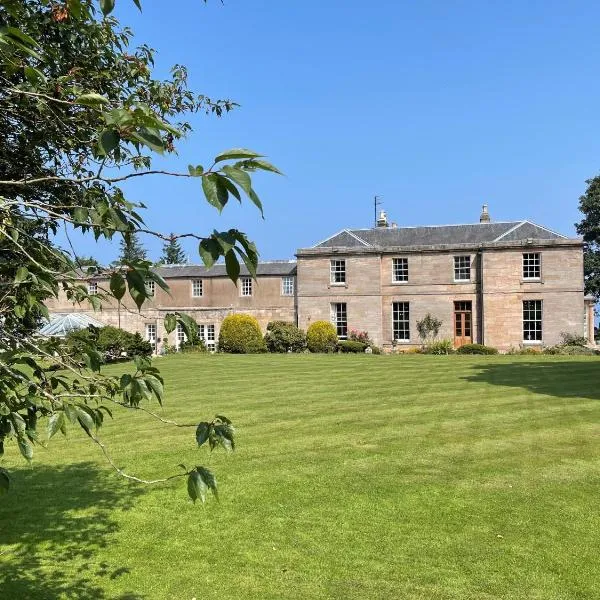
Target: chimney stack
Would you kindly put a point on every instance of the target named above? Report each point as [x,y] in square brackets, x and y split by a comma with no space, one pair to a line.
[382,220]
[485,215]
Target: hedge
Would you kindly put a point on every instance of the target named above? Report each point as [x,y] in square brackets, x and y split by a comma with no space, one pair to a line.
[240,334]
[477,349]
[321,336]
[283,336]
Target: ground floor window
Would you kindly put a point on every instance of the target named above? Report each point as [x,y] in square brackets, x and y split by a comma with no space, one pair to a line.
[339,317]
[401,323]
[151,333]
[207,333]
[532,320]
[180,333]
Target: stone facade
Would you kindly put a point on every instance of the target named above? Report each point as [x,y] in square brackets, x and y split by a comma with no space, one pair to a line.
[485,305]
[219,297]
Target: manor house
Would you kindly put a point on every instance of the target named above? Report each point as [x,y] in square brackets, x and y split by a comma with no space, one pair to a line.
[504,284]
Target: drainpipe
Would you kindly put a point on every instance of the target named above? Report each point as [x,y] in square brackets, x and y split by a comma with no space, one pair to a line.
[479,301]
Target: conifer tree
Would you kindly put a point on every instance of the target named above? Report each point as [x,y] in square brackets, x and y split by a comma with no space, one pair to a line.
[172,253]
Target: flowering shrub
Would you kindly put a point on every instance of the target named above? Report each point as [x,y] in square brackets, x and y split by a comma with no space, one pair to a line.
[354,335]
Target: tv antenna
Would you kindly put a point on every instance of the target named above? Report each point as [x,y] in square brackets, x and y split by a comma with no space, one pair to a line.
[376,202]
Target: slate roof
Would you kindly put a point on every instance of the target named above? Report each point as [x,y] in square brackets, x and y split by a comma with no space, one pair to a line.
[434,235]
[274,268]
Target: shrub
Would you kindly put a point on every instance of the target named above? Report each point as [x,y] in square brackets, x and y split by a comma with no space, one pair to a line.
[428,328]
[441,347]
[476,349]
[359,336]
[283,336]
[570,350]
[321,336]
[351,346]
[570,339]
[376,349]
[240,334]
[113,343]
[193,343]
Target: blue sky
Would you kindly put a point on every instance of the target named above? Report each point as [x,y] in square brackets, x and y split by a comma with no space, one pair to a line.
[435,106]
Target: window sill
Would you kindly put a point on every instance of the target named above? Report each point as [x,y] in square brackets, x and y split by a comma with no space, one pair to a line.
[399,282]
[532,280]
[401,342]
[345,285]
[532,342]
[462,281]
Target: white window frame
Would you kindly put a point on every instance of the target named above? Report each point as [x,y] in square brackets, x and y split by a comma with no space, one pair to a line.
[460,267]
[400,269]
[288,285]
[150,288]
[92,288]
[197,288]
[206,332]
[151,333]
[246,287]
[529,264]
[534,314]
[401,321]
[180,335]
[339,318]
[337,271]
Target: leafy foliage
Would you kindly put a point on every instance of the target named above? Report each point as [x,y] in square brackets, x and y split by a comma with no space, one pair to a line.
[240,334]
[172,252]
[321,336]
[81,113]
[131,250]
[589,228]
[439,348]
[351,346]
[476,349]
[428,328]
[283,336]
[113,343]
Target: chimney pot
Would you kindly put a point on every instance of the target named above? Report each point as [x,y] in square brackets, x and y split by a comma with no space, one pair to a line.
[382,220]
[485,215]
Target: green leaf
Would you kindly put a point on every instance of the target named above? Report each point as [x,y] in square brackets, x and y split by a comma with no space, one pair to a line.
[196,171]
[202,432]
[21,275]
[238,176]
[170,322]
[210,251]
[137,287]
[34,76]
[232,266]
[216,193]
[138,4]
[4,481]
[117,285]
[235,153]
[209,480]
[156,386]
[91,99]
[86,421]
[25,448]
[108,141]
[196,487]
[107,6]
[258,163]
[150,138]
[55,422]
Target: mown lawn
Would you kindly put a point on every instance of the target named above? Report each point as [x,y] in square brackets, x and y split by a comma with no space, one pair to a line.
[356,477]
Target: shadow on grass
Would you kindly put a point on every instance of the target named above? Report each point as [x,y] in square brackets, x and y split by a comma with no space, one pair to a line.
[54,524]
[563,379]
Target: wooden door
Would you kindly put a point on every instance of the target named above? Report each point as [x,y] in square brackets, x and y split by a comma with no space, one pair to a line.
[463,323]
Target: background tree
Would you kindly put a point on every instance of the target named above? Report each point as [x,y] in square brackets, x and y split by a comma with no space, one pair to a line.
[589,228]
[172,252]
[80,113]
[131,250]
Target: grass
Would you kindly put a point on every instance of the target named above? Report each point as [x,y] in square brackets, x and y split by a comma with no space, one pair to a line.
[356,477]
